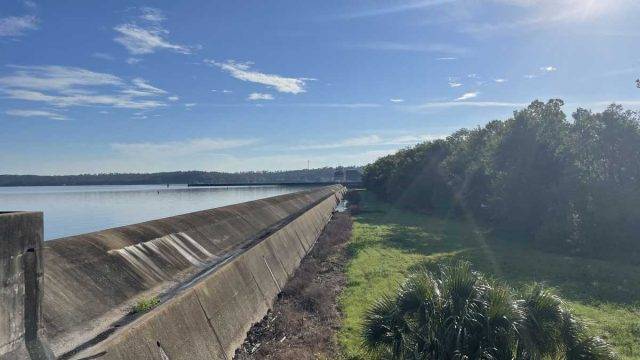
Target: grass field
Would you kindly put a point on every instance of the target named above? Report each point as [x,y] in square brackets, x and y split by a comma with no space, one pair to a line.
[388,243]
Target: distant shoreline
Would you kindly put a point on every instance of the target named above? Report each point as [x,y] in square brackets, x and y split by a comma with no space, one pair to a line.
[319,175]
[179,184]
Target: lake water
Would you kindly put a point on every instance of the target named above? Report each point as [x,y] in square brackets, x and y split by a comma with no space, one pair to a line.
[72,210]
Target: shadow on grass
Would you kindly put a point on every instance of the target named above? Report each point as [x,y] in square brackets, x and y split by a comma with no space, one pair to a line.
[442,239]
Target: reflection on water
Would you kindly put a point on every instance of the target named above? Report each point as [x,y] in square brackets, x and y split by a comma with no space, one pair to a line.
[71,210]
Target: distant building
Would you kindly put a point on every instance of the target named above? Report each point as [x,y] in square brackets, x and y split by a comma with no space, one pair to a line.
[339,175]
[353,175]
[347,175]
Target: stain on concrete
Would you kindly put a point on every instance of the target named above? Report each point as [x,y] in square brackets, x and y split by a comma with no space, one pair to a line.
[21,287]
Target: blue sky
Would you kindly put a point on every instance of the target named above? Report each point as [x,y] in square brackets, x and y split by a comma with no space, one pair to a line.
[121,86]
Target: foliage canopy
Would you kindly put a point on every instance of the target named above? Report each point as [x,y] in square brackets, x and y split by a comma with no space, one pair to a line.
[567,185]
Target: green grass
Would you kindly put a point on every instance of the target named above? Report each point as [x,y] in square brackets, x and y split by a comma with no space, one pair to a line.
[388,243]
[144,305]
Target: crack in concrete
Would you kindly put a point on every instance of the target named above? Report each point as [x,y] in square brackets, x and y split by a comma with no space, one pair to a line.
[215,334]
[272,276]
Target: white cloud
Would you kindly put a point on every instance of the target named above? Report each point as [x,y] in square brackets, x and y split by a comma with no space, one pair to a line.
[259,96]
[469,95]
[500,80]
[447,58]
[242,71]
[152,14]
[120,101]
[17,25]
[147,39]
[190,105]
[30,4]
[355,141]
[140,41]
[70,86]
[412,6]
[396,100]
[369,141]
[542,71]
[180,148]
[318,105]
[173,98]
[454,84]
[133,61]
[451,104]
[144,85]
[432,47]
[334,105]
[36,113]
[59,78]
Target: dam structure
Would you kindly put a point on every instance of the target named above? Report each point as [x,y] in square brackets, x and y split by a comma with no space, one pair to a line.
[212,274]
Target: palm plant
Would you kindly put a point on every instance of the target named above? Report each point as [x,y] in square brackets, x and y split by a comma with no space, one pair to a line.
[456,313]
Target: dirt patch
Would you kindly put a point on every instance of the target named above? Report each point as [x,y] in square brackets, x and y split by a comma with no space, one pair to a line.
[305,318]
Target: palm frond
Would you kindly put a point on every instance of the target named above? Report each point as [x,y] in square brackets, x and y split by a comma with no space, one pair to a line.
[384,327]
[543,317]
[590,348]
[458,314]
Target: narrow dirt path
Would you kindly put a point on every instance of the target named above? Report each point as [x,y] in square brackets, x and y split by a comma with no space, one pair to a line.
[305,318]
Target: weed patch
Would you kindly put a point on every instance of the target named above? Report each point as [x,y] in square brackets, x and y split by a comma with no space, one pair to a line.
[144,305]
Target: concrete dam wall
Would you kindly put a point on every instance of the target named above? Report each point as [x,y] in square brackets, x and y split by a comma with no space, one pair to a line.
[216,273]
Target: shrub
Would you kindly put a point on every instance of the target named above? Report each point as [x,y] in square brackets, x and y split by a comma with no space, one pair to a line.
[458,314]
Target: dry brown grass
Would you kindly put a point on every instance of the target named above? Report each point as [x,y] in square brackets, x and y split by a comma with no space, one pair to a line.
[304,320]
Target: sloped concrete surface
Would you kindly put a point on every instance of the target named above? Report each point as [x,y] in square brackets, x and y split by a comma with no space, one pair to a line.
[216,271]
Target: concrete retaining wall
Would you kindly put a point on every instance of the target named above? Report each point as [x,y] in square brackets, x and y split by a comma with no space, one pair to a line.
[217,272]
[21,286]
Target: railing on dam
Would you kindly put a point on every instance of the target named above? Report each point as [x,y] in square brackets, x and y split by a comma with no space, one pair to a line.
[216,272]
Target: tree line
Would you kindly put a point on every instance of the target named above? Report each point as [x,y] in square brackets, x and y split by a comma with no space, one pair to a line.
[568,185]
[175,177]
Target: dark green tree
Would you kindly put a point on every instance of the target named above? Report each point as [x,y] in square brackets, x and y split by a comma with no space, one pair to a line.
[562,185]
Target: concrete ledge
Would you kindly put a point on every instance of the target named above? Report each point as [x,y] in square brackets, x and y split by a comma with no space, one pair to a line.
[217,272]
[21,328]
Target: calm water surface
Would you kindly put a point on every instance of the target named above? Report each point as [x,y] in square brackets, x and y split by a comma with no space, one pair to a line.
[72,210]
